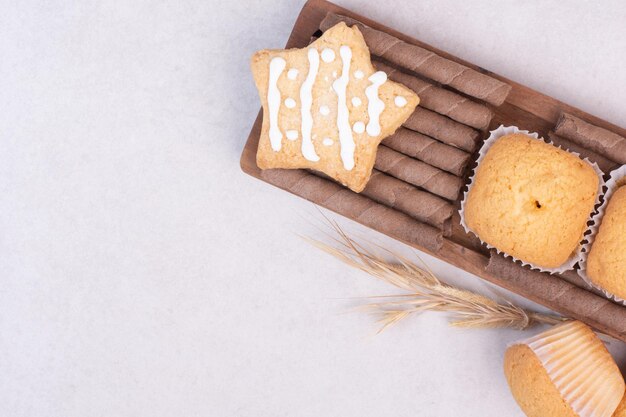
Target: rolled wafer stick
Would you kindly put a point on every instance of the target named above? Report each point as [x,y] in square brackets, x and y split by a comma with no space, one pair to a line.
[418,173]
[355,206]
[402,196]
[443,129]
[440,100]
[560,295]
[573,278]
[605,164]
[426,63]
[602,141]
[428,150]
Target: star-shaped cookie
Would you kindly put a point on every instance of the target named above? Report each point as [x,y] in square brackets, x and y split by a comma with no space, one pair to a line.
[325,107]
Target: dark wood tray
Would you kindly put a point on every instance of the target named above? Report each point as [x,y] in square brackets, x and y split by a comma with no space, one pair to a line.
[525,108]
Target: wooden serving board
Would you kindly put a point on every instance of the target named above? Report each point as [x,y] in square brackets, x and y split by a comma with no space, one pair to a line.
[525,108]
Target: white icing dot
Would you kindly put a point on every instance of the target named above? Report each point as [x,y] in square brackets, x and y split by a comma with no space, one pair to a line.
[328,141]
[326,78]
[292,74]
[290,103]
[334,74]
[358,127]
[358,74]
[324,110]
[328,55]
[356,102]
[400,101]
[292,134]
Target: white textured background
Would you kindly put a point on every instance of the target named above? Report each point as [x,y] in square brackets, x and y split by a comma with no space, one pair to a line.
[143,274]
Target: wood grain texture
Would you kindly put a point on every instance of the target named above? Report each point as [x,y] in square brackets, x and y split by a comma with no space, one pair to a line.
[525,108]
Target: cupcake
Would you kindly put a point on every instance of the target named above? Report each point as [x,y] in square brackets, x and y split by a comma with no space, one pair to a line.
[530,200]
[564,372]
[606,262]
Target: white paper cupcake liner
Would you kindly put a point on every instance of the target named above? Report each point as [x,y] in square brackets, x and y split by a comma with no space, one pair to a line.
[615,180]
[495,135]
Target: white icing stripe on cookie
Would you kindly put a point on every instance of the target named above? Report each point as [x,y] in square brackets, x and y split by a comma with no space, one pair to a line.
[277,65]
[306,102]
[343,117]
[375,105]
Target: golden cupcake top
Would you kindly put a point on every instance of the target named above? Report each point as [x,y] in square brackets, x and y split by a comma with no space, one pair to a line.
[531,200]
[606,262]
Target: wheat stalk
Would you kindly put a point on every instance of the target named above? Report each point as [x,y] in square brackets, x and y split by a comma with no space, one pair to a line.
[424,290]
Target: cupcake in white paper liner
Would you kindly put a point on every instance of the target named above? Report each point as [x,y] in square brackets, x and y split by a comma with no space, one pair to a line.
[564,371]
[616,180]
[574,256]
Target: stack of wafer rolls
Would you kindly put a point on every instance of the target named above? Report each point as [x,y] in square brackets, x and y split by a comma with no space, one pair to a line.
[427,63]
[418,173]
[421,205]
[429,150]
[604,142]
[366,211]
[402,196]
[443,129]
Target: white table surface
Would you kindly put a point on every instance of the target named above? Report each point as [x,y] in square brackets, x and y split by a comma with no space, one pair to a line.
[144,274]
